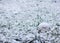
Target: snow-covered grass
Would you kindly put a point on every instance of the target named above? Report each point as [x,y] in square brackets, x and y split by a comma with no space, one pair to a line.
[21,21]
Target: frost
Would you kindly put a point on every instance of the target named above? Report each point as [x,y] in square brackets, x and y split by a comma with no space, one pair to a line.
[30,21]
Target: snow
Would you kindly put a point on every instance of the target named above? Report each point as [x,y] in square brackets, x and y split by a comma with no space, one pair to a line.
[22,20]
[44,27]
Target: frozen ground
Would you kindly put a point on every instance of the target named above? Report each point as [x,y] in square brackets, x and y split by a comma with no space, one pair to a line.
[21,21]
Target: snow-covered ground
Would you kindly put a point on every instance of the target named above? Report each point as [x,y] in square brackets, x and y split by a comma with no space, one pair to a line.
[29,21]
